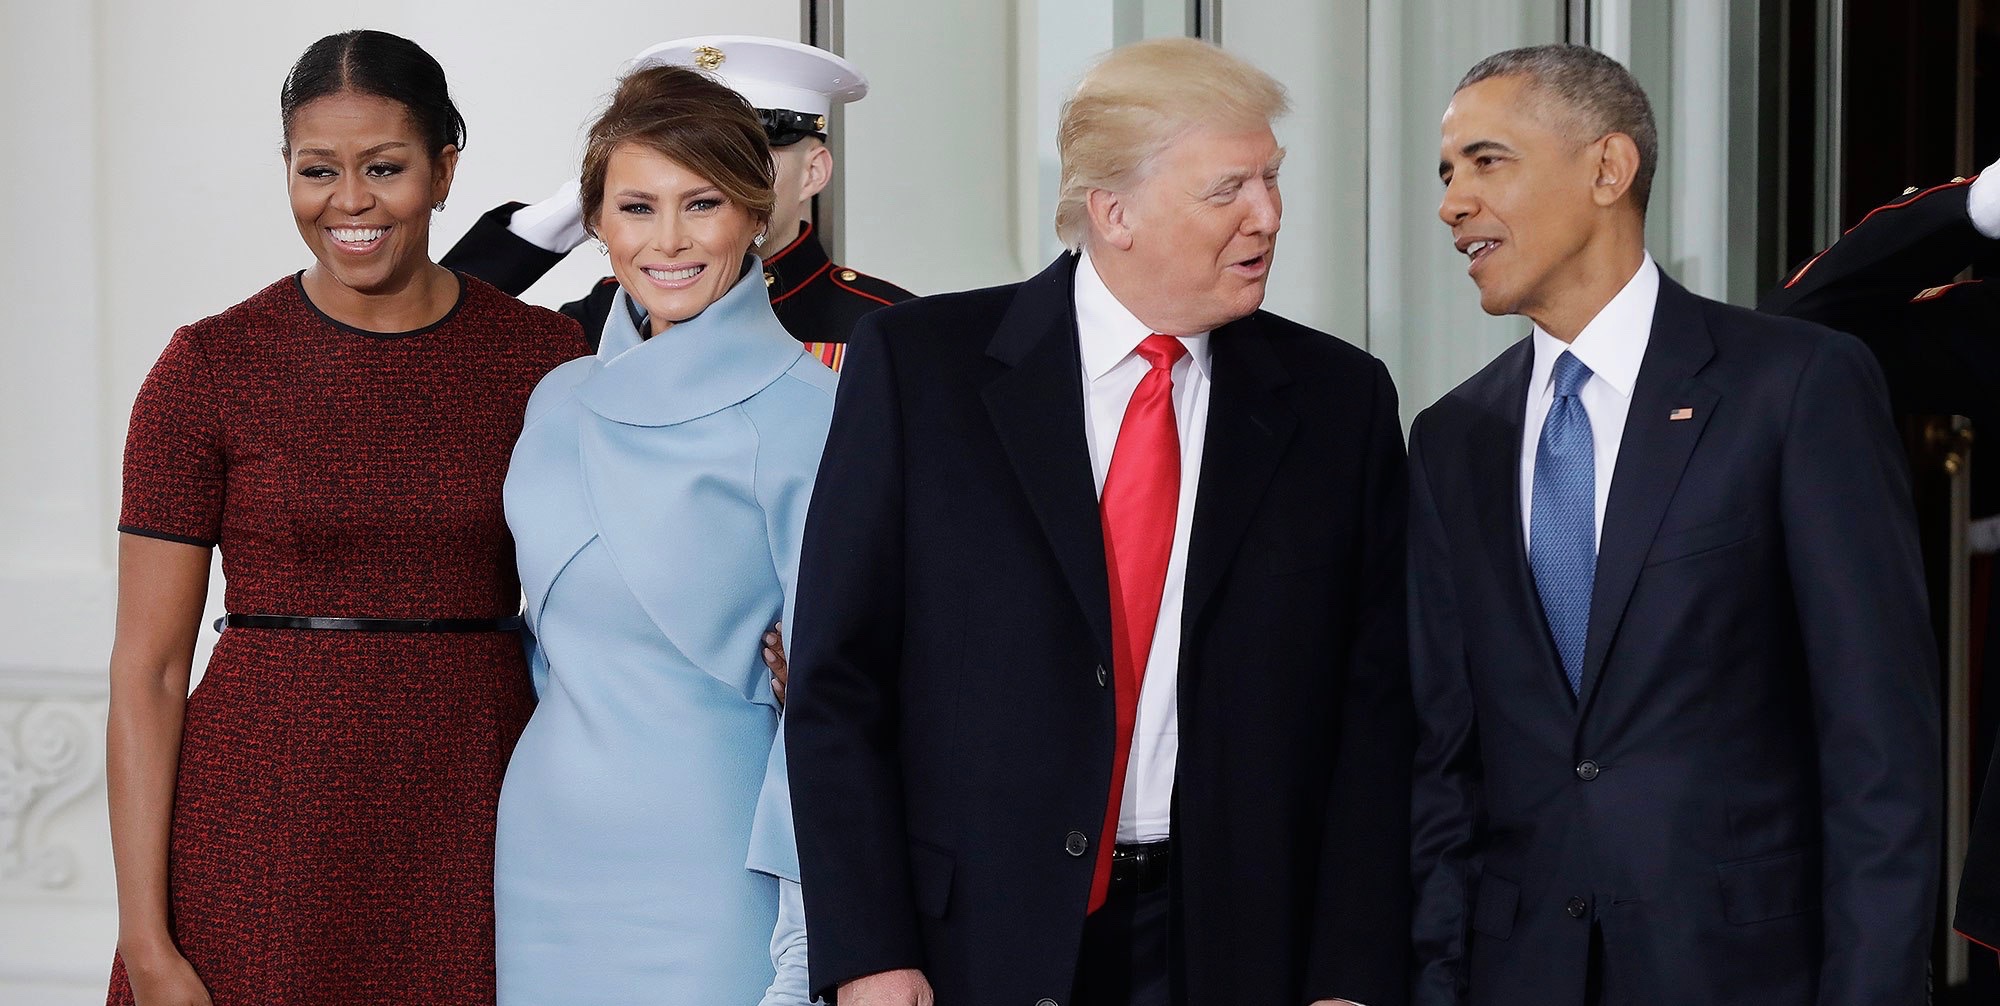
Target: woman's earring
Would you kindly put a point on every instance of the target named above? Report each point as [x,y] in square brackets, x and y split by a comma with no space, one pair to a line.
[602,248]
[439,208]
[758,241]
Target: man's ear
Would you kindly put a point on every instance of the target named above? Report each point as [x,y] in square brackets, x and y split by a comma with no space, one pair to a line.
[819,171]
[1108,212]
[1617,166]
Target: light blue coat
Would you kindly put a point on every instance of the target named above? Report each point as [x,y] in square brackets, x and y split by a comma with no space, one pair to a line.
[657,498]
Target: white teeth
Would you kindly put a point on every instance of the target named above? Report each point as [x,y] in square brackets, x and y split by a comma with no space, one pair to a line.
[675,275]
[1474,249]
[357,235]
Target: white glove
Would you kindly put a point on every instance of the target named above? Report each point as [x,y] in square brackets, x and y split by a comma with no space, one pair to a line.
[554,224]
[1982,202]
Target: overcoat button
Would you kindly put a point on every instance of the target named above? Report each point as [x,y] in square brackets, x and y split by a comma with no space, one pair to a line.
[1047,1002]
[1076,844]
[1576,908]
[1587,770]
[1100,675]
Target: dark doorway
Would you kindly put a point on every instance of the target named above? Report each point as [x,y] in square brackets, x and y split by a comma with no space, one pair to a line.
[1918,103]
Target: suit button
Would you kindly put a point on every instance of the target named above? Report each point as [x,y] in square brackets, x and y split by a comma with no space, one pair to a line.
[1076,844]
[1576,908]
[1047,1002]
[1587,770]
[1100,675]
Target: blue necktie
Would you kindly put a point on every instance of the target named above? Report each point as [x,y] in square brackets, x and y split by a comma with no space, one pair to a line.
[1562,543]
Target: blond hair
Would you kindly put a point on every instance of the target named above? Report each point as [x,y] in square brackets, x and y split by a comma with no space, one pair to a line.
[1139,98]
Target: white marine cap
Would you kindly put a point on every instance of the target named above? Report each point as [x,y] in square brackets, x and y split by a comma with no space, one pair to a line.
[770,73]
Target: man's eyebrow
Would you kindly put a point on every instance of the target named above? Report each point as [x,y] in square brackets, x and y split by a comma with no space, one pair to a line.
[1239,177]
[1474,149]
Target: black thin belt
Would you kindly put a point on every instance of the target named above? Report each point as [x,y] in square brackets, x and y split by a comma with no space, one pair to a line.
[507,624]
[1142,867]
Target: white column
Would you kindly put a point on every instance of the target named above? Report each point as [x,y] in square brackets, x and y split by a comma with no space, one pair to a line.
[57,496]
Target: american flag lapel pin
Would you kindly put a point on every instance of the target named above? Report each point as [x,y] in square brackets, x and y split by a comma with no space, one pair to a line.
[1679,414]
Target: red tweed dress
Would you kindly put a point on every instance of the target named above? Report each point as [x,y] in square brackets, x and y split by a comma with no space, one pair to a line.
[333,820]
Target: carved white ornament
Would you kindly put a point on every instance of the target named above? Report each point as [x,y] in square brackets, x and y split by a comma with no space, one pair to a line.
[50,754]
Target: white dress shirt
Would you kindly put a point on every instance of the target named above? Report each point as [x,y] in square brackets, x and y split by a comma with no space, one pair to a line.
[1108,337]
[1612,346]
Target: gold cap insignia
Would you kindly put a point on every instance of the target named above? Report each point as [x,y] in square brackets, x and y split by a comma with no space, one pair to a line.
[819,124]
[708,57]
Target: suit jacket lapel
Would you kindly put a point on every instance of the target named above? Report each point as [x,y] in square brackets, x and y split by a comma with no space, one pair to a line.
[1248,429]
[1037,410]
[1495,469]
[1652,455]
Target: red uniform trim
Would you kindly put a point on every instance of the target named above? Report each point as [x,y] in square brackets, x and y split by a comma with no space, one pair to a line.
[1971,940]
[779,299]
[1938,291]
[805,231]
[861,293]
[1898,204]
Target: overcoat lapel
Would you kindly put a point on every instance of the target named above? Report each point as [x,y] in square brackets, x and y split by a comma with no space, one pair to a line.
[1495,468]
[1652,455]
[1036,406]
[1248,430]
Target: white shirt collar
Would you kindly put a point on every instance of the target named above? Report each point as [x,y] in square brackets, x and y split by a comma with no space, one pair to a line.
[1613,344]
[1107,333]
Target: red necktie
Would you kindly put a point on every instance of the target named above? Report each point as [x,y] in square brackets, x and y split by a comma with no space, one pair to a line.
[1142,494]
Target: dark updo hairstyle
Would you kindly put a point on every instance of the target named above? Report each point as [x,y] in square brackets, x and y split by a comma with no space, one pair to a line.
[380,64]
[695,122]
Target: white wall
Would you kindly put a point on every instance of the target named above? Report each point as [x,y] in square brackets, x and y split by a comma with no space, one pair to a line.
[142,190]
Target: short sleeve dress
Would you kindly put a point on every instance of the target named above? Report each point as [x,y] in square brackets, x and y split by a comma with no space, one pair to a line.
[332,837]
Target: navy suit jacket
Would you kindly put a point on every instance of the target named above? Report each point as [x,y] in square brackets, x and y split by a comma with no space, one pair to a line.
[1744,801]
[950,722]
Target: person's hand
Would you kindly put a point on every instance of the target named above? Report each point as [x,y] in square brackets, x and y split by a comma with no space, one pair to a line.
[902,987]
[164,978]
[774,658]
[554,224]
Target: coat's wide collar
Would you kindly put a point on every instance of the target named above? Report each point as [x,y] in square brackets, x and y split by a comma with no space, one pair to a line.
[700,366]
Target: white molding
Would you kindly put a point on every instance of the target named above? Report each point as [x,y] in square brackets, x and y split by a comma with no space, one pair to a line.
[51,757]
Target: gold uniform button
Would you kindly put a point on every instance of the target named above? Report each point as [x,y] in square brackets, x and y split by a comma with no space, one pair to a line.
[770,279]
[849,275]
[1955,179]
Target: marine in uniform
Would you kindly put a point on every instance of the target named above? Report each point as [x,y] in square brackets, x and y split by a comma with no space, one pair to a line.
[1891,281]
[793,87]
